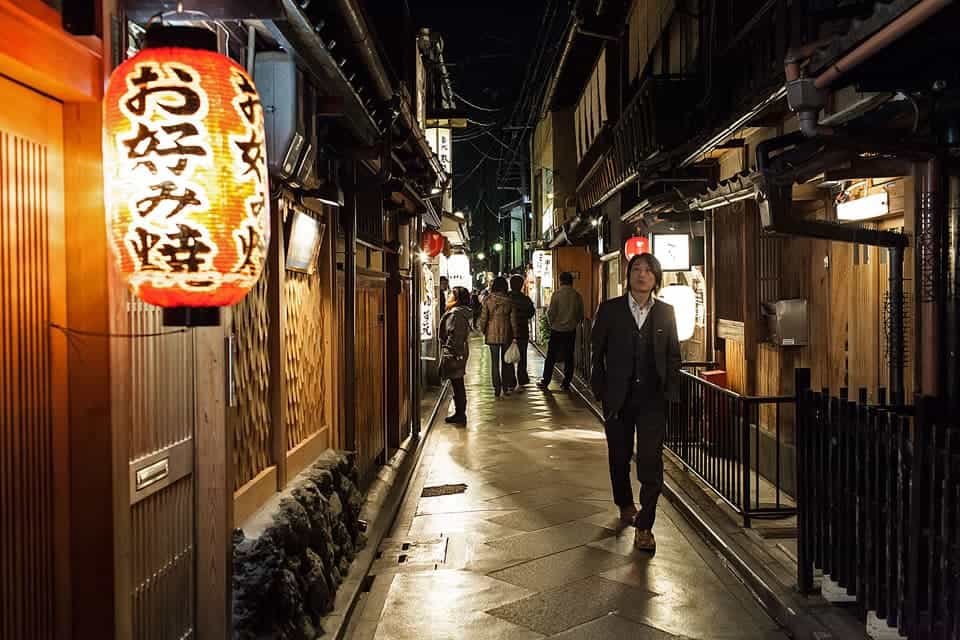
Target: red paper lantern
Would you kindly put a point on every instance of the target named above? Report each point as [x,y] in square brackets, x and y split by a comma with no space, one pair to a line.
[185,172]
[432,242]
[635,246]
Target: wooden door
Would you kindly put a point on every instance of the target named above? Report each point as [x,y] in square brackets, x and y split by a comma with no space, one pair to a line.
[370,362]
[34,459]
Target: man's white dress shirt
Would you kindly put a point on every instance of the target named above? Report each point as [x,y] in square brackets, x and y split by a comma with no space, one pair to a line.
[639,312]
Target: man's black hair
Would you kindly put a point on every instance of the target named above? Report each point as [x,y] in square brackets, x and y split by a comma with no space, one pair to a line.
[566,278]
[652,263]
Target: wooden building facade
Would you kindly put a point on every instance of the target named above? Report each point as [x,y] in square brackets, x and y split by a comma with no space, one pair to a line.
[129,451]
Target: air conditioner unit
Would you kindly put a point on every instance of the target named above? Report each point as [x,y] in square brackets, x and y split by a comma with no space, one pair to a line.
[307,175]
[279,83]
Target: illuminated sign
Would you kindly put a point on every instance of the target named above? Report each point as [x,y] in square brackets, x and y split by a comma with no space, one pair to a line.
[672,250]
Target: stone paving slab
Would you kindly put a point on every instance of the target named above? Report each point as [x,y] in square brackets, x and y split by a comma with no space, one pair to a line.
[547,516]
[560,568]
[573,604]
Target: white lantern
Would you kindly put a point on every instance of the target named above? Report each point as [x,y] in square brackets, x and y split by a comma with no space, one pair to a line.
[684,302]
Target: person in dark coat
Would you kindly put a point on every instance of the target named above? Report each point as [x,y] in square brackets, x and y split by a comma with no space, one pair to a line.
[523,310]
[635,373]
[455,350]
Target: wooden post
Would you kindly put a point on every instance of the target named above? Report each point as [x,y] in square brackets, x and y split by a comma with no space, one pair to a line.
[214,484]
[91,482]
[348,218]
[748,275]
[276,309]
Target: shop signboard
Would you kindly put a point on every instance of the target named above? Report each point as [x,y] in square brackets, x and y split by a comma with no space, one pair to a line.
[458,271]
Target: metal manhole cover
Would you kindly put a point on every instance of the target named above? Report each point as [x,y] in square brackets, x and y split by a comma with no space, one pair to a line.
[443,490]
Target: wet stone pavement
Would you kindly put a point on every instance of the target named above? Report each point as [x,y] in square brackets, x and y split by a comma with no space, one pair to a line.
[529,548]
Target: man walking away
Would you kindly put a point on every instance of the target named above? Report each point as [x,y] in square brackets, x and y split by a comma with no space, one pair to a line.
[523,310]
[564,314]
[455,349]
[635,372]
[496,324]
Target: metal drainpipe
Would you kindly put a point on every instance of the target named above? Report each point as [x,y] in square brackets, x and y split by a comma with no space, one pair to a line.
[348,218]
[930,281]
[952,325]
[415,345]
[896,359]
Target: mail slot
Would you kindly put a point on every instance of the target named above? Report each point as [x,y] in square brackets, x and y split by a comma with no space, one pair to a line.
[152,474]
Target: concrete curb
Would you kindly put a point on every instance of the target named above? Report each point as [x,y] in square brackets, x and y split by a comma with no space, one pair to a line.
[336,623]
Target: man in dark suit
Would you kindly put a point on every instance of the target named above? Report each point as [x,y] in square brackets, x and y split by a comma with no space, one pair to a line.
[636,367]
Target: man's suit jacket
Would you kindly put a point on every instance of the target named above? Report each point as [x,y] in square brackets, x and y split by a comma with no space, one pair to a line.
[612,339]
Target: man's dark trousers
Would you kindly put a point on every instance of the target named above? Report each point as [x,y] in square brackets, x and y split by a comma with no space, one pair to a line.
[562,344]
[459,396]
[641,423]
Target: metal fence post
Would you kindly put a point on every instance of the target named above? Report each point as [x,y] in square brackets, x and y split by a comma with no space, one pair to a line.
[804,542]
[745,454]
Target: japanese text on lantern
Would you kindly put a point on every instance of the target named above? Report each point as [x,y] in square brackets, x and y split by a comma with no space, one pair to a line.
[191,165]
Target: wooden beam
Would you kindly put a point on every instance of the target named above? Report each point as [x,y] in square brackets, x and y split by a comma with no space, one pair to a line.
[751,311]
[276,310]
[91,518]
[214,484]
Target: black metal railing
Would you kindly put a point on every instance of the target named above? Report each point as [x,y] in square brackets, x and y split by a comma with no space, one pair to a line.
[720,436]
[879,496]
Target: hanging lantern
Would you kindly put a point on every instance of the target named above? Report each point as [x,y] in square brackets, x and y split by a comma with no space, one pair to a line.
[185,175]
[635,246]
[683,299]
[432,242]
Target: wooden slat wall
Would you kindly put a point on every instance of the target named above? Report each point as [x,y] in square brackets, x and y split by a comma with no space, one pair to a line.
[403,311]
[728,223]
[161,535]
[306,411]
[252,436]
[368,401]
[28,454]
[162,563]
[735,364]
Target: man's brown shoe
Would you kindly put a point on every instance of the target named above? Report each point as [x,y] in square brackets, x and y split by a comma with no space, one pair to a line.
[644,541]
[627,516]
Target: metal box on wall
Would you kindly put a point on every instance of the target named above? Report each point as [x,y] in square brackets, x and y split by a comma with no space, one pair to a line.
[279,83]
[787,324]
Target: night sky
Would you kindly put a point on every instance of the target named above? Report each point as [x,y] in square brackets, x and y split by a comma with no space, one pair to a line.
[488,46]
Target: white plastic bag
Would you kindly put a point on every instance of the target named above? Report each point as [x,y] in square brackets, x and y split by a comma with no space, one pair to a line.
[512,356]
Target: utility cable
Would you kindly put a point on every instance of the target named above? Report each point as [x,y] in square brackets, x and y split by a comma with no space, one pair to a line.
[475,106]
[96,334]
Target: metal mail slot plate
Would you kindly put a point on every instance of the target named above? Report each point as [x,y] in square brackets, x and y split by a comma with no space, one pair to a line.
[152,474]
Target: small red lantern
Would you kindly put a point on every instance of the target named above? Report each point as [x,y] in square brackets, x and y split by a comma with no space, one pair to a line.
[432,242]
[185,172]
[635,246]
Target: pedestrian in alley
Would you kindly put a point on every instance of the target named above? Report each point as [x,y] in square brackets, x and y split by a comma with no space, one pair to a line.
[455,349]
[564,314]
[635,373]
[523,310]
[475,307]
[496,324]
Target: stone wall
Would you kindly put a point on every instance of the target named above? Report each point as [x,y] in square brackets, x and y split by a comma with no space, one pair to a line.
[289,560]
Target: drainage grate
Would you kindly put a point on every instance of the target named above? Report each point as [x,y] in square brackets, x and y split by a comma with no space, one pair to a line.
[443,490]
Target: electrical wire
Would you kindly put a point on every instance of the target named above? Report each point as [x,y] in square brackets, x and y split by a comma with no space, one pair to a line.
[96,334]
[475,106]
[483,153]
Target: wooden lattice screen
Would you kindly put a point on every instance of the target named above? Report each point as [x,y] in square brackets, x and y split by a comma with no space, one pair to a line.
[303,364]
[252,429]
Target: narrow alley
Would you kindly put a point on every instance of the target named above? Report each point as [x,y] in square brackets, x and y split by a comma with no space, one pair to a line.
[508,531]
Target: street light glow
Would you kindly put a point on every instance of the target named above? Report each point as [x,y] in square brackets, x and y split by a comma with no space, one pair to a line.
[481,256]
[498,247]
